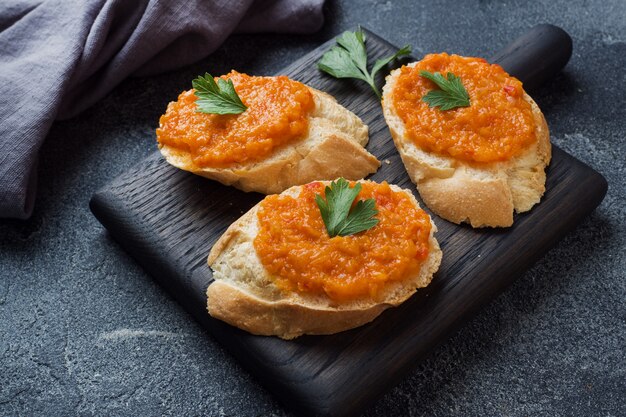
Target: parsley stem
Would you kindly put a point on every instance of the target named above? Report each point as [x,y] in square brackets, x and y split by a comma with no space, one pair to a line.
[377,91]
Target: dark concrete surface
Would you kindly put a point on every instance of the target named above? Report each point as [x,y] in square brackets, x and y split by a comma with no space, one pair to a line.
[84,331]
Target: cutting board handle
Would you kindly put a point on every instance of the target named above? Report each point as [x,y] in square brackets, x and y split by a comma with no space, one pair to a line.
[537,55]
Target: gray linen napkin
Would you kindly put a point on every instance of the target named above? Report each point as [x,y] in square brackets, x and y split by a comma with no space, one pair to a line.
[58,57]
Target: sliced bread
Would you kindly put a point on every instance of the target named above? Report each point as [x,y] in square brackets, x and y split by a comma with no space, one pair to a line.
[334,147]
[245,295]
[480,193]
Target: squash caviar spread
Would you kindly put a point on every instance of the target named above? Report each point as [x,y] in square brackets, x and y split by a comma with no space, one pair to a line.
[497,126]
[296,250]
[277,114]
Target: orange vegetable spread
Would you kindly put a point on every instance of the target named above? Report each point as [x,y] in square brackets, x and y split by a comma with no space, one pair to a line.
[277,114]
[295,248]
[497,125]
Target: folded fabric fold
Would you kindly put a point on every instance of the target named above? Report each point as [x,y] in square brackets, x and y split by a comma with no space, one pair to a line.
[58,57]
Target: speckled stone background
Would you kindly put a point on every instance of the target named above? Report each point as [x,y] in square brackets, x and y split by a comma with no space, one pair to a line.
[85,331]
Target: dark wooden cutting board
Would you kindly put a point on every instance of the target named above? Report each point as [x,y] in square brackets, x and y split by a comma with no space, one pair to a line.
[168,220]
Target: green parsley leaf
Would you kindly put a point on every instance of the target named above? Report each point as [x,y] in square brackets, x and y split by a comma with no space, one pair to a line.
[360,219]
[348,59]
[451,95]
[217,98]
[336,207]
[339,219]
[380,63]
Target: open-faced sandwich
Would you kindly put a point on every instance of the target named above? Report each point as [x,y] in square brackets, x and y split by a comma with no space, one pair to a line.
[263,134]
[475,144]
[321,258]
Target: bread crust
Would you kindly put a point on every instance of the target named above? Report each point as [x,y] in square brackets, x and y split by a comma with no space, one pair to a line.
[244,294]
[482,194]
[282,318]
[334,147]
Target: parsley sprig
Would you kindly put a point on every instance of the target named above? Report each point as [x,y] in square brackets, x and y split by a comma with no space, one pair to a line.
[339,219]
[451,95]
[217,98]
[348,59]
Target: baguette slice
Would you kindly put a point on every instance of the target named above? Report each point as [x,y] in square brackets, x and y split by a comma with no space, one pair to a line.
[482,194]
[244,294]
[334,147]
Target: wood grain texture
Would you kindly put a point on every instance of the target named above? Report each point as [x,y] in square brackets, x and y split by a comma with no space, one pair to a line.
[168,220]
